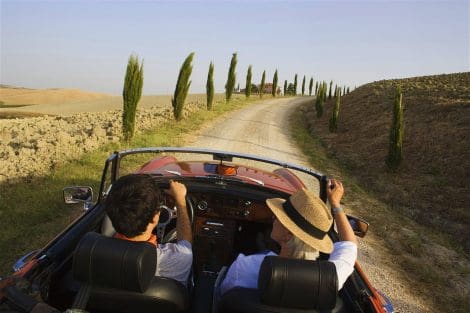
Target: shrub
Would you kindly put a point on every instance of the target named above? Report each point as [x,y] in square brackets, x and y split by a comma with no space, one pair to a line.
[182,87]
[231,78]
[248,83]
[291,89]
[210,86]
[395,151]
[131,93]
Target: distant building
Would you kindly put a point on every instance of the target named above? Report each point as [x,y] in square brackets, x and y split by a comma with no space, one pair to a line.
[268,87]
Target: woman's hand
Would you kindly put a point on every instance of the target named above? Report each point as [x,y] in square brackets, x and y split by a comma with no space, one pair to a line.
[335,192]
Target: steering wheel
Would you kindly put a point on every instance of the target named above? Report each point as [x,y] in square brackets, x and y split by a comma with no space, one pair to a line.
[168,214]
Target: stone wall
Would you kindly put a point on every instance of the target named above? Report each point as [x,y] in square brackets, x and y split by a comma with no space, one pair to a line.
[34,146]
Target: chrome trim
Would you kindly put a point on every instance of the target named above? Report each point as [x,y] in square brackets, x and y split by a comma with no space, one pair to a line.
[23,260]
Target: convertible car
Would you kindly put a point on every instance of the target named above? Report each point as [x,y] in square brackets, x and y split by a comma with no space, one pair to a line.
[85,269]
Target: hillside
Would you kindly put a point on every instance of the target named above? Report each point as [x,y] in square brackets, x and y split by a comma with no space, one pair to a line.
[16,96]
[432,184]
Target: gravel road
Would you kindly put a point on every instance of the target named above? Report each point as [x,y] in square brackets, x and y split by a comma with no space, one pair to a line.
[262,129]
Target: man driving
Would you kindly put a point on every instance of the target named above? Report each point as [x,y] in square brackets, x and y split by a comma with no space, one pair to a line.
[133,206]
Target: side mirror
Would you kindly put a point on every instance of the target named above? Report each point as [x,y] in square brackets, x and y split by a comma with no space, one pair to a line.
[78,194]
[359,226]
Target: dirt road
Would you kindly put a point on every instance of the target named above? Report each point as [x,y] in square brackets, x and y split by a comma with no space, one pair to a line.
[262,129]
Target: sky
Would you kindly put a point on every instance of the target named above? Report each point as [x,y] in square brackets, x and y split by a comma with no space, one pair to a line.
[86,44]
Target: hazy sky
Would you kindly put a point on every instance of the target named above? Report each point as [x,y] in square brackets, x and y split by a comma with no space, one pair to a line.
[86,44]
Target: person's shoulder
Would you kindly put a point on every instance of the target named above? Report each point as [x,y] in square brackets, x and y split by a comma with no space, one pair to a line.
[251,259]
[182,246]
[344,245]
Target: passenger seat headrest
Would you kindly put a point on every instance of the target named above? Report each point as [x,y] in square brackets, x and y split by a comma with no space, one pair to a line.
[114,263]
[300,284]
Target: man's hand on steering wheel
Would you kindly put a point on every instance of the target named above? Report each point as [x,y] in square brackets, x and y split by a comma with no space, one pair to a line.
[184,220]
[178,192]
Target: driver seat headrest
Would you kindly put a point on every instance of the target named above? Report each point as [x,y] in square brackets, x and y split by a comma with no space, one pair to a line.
[122,277]
[114,263]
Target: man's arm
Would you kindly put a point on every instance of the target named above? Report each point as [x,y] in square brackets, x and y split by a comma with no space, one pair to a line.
[335,194]
[183,225]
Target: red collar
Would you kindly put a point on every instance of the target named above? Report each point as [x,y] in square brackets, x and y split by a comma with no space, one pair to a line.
[152,239]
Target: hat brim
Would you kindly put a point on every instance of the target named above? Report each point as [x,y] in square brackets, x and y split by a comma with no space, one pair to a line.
[324,245]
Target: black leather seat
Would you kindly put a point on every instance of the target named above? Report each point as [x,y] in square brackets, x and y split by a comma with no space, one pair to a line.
[287,286]
[122,277]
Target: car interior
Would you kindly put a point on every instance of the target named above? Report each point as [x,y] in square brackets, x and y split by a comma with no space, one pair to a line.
[93,271]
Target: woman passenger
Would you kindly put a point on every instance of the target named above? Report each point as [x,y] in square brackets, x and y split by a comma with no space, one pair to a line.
[300,227]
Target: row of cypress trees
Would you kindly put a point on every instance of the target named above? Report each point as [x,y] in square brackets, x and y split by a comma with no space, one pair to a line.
[395,149]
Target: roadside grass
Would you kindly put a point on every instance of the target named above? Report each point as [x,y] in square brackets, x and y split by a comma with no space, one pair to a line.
[32,210]
[432,271]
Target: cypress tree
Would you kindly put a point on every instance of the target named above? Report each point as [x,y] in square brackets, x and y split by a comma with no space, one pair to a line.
[210,86]
[319,100]
[347,90]
[395,151]
[331,89]
[310,86]
[261,86]
[131,93]
[336,91]
[274,89]
[231,78]
[334,116]
[303,86]
[316,88]
[344,90]
[285,87]
[182,87]
[295,85]
[248,83]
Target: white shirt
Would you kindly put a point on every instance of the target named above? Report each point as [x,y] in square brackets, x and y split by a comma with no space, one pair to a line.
[174,260]
[244,271]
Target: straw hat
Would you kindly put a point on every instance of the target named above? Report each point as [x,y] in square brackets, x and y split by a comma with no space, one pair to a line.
[306,216]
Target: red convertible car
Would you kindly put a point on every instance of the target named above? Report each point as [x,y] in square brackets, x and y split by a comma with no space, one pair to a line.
[85,269]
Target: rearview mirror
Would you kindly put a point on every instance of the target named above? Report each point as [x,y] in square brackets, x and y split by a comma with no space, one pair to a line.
[78,194]
[359,225]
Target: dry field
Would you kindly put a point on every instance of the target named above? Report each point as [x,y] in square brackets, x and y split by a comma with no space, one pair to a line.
[23,102]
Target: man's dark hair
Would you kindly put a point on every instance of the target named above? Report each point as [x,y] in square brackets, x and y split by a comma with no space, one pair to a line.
[132,203]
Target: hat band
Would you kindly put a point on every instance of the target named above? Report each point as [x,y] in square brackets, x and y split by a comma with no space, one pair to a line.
[300,221]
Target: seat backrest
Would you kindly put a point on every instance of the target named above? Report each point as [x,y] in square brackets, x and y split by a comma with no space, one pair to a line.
[287,285]
[122,276]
